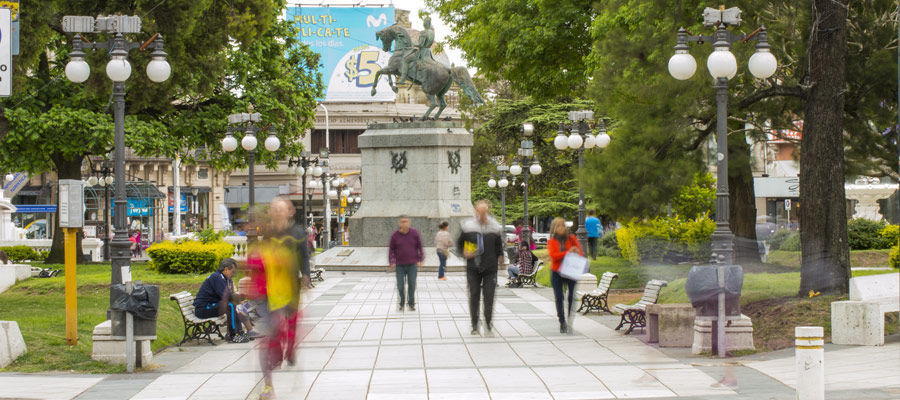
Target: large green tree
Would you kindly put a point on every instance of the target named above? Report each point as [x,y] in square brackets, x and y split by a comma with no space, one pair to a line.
[224,56]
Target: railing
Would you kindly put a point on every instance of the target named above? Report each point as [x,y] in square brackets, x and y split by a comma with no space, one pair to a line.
[240,246]
[90,246]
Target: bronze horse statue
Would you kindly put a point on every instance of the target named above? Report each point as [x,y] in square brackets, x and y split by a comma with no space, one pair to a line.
[434,77]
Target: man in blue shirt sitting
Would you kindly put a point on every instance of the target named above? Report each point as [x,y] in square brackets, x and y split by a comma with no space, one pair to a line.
[592,224]
[215,298]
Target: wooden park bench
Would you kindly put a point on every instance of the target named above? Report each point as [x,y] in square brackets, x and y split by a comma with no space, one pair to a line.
[595,300]
[860,320]
[635,314]
[195,327]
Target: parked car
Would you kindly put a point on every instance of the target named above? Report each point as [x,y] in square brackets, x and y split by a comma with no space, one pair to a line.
[540,238]
[510,234]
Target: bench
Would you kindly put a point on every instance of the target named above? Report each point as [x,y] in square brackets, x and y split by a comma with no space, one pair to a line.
[529,279]
[596,299]
[635,314]
[860,320]
[195,327]
[315,274]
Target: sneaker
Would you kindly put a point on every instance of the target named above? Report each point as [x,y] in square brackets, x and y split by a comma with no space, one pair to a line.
[254,334]
[412,307]
[240,338]
[563,328]
[267,393]
[443,279]
[488,331]
[475,331]
[400,308]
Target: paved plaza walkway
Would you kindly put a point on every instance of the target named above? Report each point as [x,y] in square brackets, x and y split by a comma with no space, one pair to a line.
[356,345]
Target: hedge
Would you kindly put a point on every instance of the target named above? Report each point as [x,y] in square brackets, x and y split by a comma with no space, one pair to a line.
[18,254]
[666,239]
[895,257]
[188,257]
[866,234]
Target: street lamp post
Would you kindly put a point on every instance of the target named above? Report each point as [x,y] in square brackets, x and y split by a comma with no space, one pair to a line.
[320,179]
[118,69]
[502,183]
[526,162]
[301,166]
[581,139]
[248,123]
[722,65]
[104,178]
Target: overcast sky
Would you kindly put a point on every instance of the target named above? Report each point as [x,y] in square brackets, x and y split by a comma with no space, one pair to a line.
[413,6]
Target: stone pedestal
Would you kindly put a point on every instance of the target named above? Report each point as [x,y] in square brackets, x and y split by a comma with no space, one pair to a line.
[11,343]
[867,191]
[418,169]
[672,325]
[738,335]
[111,349]
[585,284]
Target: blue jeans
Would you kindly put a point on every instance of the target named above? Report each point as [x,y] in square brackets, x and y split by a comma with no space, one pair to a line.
[443,260]
[557,281]
[407,273]
[513,271]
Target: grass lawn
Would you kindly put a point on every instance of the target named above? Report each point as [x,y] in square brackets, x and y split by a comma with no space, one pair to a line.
[858,258]
[38,305]
[630,277]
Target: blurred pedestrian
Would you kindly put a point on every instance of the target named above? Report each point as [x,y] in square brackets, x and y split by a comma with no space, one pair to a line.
[405,255]
[443,242]
[481,242]
[594,231]
[561,242]
[284,257]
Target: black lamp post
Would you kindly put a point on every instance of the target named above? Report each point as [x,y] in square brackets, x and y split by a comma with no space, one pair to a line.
[581,139]
[300,166]
[502,183]
[722,65]
[104,178]
[118,69]
[529,165]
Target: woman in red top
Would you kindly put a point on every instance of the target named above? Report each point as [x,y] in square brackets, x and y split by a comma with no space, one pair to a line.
[560,243]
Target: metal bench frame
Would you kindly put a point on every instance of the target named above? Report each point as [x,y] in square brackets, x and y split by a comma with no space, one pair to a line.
[596,300]
[195,327]
[316,274]
[523,279]
[635,314]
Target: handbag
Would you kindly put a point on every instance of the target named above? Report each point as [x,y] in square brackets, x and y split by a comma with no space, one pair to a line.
[574,265]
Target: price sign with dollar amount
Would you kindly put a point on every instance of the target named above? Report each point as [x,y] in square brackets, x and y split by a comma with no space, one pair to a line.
[5,53]
[362,68]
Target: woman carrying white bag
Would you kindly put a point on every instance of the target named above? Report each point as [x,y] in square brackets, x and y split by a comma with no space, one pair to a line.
[561,244]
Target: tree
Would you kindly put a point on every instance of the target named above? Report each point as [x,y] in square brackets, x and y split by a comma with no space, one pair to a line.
[699,198]
[823,235]
[224,56]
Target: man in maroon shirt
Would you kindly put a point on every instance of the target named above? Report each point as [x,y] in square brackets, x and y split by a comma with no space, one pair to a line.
[405,254]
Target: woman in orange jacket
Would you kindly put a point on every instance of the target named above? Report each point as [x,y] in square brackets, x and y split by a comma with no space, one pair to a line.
[561,242]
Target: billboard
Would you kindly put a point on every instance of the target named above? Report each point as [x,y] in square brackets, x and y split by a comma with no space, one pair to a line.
[351,55]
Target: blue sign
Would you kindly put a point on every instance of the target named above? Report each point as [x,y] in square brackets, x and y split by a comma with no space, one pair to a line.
[351,55]
[181,206]
[136,207]
[35,208]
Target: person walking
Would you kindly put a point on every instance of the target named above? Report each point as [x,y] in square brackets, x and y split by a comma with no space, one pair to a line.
[405,255]
[561,243]
[481,242]
[594,231]
[443,241]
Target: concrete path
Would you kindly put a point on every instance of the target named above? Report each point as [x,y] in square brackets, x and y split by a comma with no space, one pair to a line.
[356,345]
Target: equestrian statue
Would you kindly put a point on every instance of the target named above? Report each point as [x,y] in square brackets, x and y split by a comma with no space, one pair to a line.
[416,63]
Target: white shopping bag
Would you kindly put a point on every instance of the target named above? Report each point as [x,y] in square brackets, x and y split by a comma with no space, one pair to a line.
[574,265]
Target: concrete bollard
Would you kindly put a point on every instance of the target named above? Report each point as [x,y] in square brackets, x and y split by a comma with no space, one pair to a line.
[810,357]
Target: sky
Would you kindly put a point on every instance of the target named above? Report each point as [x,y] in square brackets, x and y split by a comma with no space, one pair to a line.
[441,30]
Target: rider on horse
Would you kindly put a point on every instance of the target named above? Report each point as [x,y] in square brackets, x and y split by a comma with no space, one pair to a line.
[426,40]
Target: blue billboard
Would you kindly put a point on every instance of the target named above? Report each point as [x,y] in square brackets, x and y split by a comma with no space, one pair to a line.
[136,207]
[351,55]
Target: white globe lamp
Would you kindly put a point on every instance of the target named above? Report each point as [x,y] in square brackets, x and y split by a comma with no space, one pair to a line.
[535,169]
[118,68]
[78,70]
[560,142]
[91,181]
[249,142]
[721,63]
[574,141]
[317,171]
[682,65]
[272,143]
[492,182]
[762,64]
[503,183]
[300,171]
[229,143]
[158,70]
[515,169]
[603,140]
[590,141]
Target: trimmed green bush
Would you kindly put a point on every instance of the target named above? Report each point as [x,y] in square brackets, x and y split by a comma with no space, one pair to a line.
[673,238]
[865,234]
[18,254]
[791,243]
[895,257]
[779,237]
[608,241]
[188,257]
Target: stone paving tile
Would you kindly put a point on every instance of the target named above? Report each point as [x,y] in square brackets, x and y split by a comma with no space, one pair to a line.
[19,386]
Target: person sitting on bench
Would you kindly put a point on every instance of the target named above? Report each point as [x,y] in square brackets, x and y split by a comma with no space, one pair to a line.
[523,266]
[215,298]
